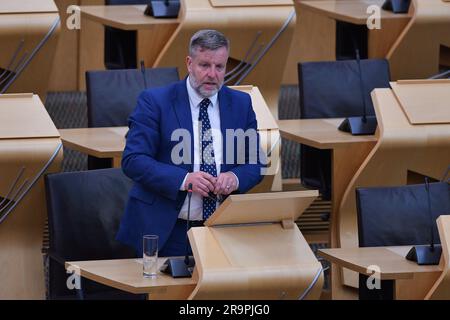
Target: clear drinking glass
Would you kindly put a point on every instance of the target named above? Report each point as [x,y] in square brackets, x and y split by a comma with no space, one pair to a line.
[150,255]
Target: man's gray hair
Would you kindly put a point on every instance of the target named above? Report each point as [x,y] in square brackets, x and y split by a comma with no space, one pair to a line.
[208,39]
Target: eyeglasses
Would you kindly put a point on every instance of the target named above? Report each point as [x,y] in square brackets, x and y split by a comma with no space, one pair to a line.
[216,197]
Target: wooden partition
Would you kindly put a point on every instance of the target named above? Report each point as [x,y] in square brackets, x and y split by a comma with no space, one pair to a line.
[416,53]
[251,248]
[29,148]
[29,32]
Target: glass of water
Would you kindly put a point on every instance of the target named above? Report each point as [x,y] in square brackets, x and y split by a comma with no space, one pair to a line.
[150,255]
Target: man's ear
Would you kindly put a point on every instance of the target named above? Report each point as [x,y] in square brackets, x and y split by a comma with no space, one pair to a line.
[188,63]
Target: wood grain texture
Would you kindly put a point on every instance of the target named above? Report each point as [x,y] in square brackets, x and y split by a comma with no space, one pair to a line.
[244,261]
[415,54]
[401,147]
[21,233]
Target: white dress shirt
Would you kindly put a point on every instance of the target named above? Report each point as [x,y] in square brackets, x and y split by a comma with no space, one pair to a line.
[214,118]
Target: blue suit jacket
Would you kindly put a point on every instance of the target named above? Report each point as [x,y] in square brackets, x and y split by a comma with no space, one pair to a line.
[155,199]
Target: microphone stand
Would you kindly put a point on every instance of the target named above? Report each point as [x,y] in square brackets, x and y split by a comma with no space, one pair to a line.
[181,267]
[365,125]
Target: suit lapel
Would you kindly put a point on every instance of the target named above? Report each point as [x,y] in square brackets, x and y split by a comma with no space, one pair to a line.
[226,120]
[182,110]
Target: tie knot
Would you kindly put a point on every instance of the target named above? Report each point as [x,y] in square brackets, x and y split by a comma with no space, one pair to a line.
[205,103]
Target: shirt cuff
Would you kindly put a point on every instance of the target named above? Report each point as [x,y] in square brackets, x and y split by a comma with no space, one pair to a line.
[182,188]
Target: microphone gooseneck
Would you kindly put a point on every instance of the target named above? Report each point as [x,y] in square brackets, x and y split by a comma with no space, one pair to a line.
[143,74]
[358,60]
[186,258]
[427,187]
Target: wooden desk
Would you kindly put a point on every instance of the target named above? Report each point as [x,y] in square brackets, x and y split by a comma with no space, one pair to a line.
[348,154]
[107,142]
[126,274]
[152,34]
[323,134]
[392,266]
[316,21]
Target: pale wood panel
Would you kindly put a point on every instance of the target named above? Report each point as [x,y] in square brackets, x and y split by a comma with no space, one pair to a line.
[401,147]
[126,274]
[319,133]
[260,207]
[391,260]
[313,40]
[91,45]
[241,28]
[106,142]
[228,269]
[349,10]
[380,41]
[415,54]
[424,101]
[441,289]
[27,6]
[246,3]
[124,17]
[22,116]
[32,28]
[21,233]
[151,41]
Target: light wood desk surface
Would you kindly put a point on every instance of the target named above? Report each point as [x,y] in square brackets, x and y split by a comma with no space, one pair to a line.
[319,133]
[125,17]
[126,274]
[391,261]
[350,11]
[107,142]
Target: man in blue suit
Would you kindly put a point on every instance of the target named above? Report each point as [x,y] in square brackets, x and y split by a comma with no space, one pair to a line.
[179,138]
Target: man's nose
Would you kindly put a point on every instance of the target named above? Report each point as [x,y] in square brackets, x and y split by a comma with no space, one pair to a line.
[211,72]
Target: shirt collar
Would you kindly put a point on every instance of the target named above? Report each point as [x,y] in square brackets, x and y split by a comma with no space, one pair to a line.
[196,98]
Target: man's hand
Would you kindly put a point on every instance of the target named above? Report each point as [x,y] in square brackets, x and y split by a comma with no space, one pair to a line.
[225,184]
[202,182]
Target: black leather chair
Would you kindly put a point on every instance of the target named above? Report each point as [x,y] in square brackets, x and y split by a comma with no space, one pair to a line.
[84,212]
[120,45]
[112,96]
[397,216]
[332,90]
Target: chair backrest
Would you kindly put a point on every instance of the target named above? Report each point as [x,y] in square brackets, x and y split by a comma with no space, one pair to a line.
[112,94]
[395,216]
[332,89]
[84,212]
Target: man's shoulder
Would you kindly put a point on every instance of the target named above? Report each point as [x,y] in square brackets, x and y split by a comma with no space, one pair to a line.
[169,90]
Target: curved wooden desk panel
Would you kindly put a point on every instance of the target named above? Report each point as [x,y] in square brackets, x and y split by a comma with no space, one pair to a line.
[30,24]
[415,54]
[258,260]
[240,25]
[441,289]
[401,147]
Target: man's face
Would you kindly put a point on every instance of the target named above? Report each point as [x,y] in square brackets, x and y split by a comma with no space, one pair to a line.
[207,70]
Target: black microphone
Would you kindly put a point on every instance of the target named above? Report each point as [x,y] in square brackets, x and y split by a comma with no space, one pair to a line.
[365,125]
[163,8]
[186,258]
[143,74]
[181,267]
[426,255]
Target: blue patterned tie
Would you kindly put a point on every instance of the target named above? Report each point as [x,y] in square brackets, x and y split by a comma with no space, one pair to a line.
[207,160]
